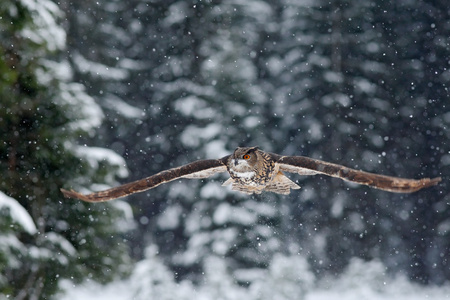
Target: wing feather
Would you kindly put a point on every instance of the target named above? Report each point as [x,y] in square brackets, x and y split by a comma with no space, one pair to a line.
[309,166]
[197,169]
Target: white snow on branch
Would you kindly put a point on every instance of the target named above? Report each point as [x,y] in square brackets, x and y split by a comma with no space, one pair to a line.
[97,69]
[95,155]
[193,106]
[53,70]
[193,135]
[122,108]
[126,223]
[88,114]
[13,249]
[170,218]
[45,29]
[176,14]
[226,213]
[186,86]
[50,240]
[18,213]
[132,64]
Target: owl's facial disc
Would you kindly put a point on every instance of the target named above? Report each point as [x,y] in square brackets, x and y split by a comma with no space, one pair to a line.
[237,162]
[240,165]
[243,161]
[241,169]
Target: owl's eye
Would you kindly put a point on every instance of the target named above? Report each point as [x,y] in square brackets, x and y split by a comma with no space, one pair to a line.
[246,156]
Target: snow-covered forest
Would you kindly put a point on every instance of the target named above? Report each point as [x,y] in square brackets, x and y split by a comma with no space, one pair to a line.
[98,93]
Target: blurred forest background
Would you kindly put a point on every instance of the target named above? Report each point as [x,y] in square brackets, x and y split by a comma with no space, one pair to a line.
[97,93]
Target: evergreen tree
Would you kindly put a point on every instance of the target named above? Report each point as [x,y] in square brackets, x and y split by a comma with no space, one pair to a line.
[322,105]
[192,76]
[344,95]
[418,89]
[43,111]
[225,110]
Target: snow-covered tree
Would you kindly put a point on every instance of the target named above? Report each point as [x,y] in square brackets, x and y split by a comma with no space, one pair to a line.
[221,107]
[45,237]
[15,221]
[192,88]
[347,77]
[418,88]
[288,277]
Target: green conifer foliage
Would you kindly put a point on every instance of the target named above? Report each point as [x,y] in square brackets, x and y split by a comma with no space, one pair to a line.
[44,237]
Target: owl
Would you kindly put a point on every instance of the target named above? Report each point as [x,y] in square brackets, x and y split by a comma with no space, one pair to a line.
[252,170]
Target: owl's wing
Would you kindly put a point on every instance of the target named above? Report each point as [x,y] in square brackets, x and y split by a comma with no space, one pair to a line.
[197,169]
[309,166]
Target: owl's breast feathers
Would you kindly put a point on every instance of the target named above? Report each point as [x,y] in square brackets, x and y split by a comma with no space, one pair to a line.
[263,176]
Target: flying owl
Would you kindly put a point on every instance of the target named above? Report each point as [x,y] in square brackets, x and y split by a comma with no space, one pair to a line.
[252,170]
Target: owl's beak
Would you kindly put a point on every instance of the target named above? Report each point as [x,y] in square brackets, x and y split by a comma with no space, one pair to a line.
[235,161]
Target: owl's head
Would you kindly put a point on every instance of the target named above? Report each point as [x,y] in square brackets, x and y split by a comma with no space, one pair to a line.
[244,158]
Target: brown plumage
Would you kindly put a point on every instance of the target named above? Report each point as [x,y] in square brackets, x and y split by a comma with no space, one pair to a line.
[253,171]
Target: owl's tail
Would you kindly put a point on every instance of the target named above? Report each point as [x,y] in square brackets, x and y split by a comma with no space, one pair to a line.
[281,185]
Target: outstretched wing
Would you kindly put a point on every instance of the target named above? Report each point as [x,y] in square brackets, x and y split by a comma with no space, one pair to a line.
[197,169]
[309,166]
